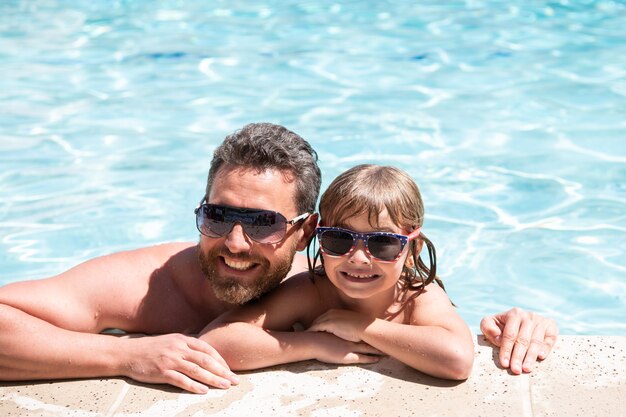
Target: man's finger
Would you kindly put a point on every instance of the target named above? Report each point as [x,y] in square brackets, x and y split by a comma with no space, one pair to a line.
[208,369]
[209,377]
[536,346]
[521,345]
[184,382]
[222,369]
[549,339]
[202,346]
[508,338]
[491,330]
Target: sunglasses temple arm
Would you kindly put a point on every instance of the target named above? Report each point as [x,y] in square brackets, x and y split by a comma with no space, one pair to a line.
[415,233]
[303,216]
[200,203]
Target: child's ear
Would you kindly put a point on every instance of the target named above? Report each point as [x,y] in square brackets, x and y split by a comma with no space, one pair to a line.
[410,260]
[308,230]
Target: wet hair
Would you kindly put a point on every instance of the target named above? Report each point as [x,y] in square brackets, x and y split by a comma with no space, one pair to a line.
[265,146]
[371,189]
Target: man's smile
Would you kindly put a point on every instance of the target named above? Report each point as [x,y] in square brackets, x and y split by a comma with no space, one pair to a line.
[238,264]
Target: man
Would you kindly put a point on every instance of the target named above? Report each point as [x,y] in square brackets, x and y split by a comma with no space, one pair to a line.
[256,214]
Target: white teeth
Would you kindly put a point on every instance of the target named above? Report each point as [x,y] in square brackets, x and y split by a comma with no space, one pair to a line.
[360,276]
[239,265]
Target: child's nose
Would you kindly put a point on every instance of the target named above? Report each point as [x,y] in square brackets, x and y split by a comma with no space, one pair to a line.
[359,254]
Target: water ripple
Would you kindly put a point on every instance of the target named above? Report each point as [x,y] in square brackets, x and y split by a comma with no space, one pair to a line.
[509,116]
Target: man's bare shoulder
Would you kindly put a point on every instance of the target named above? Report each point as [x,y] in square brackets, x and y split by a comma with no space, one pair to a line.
[157,254]
[138,265]
[107,291]
[133,271]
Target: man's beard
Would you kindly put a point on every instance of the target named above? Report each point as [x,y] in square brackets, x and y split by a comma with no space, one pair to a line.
[232,290]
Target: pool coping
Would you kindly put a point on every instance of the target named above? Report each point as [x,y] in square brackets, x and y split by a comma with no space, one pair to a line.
[584,375]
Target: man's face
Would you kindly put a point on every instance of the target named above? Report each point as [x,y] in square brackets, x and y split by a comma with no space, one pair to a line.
[239,268]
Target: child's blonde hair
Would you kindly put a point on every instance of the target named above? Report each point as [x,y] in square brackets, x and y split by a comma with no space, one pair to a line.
[370,189]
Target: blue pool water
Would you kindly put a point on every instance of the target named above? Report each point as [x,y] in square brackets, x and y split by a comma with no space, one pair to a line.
[510,115]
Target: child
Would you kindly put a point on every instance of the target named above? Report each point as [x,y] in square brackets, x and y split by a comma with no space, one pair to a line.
[372,295]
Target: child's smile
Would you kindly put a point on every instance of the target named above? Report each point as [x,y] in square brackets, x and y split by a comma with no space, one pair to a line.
[350,276]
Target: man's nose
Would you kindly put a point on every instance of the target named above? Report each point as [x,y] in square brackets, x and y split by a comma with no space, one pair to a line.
[237,241]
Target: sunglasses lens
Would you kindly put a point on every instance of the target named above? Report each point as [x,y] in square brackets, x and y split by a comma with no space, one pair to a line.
[263,226]
[336,242]
[210,221]
[386,248]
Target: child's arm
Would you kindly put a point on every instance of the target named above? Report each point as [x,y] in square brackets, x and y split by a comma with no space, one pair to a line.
[436,341]
[260,334]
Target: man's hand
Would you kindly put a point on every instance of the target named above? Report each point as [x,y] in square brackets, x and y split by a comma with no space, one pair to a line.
[183,361]
[345,324]
[523,337]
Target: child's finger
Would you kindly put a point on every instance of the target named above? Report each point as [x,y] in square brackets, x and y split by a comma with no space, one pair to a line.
[367,349]
[355,357]
[319,327]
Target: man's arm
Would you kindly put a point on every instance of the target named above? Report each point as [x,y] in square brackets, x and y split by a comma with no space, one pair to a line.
[48,329]
[523,337]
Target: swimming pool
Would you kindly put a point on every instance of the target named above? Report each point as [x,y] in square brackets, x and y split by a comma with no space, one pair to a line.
[510,116]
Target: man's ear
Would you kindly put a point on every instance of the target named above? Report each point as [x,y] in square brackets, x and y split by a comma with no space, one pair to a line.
[308,230]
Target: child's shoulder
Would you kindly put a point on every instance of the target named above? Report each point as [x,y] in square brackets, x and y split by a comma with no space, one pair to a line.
[314,285]
[428,294]
[303,284]
[431,300]
[302,279]
[304,295]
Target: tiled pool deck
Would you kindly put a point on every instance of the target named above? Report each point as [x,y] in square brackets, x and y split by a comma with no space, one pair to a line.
[584,376]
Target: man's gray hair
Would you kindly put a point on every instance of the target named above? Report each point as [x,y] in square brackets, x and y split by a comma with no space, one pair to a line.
[263,146]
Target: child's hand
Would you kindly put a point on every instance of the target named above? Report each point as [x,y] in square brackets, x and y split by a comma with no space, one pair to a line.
[333,349]
[345,324]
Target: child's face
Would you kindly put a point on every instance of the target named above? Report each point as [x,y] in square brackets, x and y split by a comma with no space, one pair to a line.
[357,274]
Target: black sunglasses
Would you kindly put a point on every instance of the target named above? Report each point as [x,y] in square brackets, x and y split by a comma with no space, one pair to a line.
[262,226]
[386,247]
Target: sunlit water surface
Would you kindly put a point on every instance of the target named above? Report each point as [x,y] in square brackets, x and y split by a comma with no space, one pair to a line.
[509,115]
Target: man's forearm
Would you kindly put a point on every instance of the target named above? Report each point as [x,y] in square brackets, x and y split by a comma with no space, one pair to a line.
[31,348]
